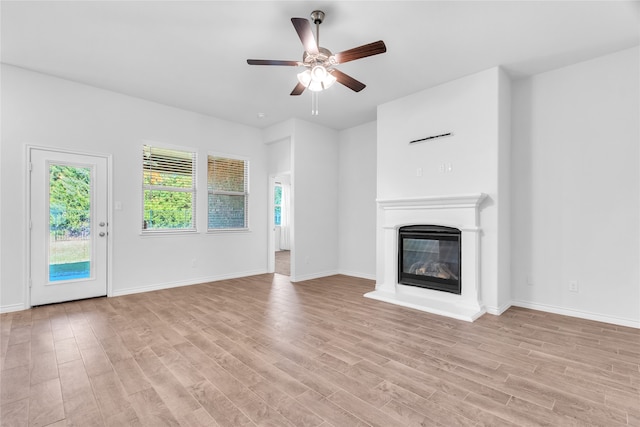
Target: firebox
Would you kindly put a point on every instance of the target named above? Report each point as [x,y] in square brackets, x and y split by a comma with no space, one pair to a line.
[429,257]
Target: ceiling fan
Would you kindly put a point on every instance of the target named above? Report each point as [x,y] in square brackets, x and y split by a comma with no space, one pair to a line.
[319,62]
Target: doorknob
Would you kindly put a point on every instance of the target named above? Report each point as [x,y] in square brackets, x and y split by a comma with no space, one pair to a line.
[101,224]
[101,234]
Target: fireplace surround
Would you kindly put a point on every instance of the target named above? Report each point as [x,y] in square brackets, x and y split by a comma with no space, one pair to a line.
[460,212]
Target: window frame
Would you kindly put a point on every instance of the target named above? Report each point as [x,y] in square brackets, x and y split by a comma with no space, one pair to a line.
[148,187]
[246,193]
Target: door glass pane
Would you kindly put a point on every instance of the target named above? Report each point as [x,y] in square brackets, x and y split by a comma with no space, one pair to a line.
[69,222]
[277,202]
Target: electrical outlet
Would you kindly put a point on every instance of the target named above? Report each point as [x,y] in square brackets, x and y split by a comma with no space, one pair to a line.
[573,286]
[194,263]
[419,172]
[529,280]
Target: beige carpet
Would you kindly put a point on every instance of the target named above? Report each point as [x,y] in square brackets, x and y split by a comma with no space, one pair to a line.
[283,262]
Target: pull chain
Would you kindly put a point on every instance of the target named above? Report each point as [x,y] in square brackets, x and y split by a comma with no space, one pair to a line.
[314,104]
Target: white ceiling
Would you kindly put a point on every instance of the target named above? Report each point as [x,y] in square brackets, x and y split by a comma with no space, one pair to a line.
[192,55]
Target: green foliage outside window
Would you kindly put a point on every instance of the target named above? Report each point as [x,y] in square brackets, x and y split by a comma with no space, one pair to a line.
[69,200]
[169,190]
[277,202]
[167,209]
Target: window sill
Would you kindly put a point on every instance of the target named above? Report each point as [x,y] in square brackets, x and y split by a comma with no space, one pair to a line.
[229,231]
[167,233]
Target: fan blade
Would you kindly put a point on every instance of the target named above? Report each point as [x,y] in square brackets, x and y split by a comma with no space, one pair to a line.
[363,51]
[272,62]
[303,28]
[298,89]
[348,81]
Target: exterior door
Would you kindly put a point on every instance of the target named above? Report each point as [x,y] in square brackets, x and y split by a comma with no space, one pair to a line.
[69,212]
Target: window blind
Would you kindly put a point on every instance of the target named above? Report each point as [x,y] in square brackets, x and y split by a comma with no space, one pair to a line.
[228,193]
[169,189]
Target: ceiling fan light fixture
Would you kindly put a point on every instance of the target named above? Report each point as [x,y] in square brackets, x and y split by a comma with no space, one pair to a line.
[329,80]
[304,78]
[318,73]
[317,78]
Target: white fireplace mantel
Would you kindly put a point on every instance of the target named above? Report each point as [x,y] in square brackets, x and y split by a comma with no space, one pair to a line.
[459,201]
[458,211]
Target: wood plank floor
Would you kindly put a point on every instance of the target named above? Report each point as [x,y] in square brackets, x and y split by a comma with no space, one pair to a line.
[283,263]
[263,351]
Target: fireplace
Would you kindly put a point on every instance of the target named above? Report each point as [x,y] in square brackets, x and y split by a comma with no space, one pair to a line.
[429,256]
[457,233]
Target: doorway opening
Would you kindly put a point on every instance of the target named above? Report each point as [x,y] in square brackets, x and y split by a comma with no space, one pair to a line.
[281,226]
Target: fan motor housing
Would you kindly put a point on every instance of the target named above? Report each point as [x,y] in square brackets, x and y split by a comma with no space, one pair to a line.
[324,57]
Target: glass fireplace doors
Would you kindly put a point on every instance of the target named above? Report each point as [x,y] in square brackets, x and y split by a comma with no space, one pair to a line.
[429,257]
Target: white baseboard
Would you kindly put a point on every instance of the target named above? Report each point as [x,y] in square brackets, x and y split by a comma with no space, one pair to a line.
[632,323]
[198,281]
[11,308]
[497,311]
[312,276]
[356,274]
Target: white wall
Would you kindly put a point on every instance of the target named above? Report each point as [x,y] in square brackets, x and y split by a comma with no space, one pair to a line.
[470,108]
[315,200]
[279,156]
[50,112]
[503,296]
[357,201]
[576,189]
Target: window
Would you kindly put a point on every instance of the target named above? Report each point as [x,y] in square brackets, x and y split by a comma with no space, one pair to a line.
[228,188]
[169,189]
[277,203]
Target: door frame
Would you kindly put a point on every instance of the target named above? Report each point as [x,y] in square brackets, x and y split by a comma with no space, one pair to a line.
[109,183]
[271,241]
